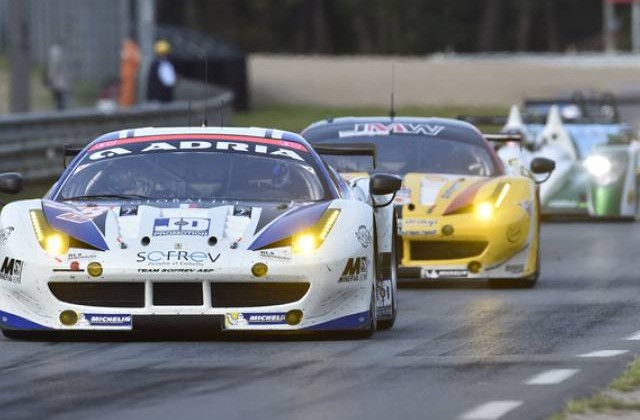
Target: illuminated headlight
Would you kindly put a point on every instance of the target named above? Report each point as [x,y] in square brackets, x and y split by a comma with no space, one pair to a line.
[52,241]
[607,168]
[597,165]
[484,211]
[56,244]
[305,243]
[310,239]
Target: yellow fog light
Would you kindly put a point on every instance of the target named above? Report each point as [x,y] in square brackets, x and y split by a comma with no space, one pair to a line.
[304,244]
[484,211]
[68,318]
[293,317]
[94,269]
[259,269]
[474,266]
[447,230]
[56,244]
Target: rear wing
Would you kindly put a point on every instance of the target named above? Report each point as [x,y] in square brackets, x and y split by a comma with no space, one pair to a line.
[347,149]
[591,107]
[529,118]
[69,152]
[503,138]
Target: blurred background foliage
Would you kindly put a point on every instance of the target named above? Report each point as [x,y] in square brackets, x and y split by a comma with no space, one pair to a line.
[394,27]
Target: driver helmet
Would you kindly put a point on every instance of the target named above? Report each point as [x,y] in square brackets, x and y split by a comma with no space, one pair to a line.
[281,175]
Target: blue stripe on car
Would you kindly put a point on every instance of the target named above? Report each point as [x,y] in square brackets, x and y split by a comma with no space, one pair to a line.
[289,223]
[15,322]
[86,232]
[348,322]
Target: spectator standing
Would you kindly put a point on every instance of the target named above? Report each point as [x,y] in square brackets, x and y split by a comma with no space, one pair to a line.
[129,66]
[162,75]
[57,79]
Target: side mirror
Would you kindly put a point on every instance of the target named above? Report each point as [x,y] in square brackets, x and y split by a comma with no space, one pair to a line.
[542,165]
[10,182]
[383,184]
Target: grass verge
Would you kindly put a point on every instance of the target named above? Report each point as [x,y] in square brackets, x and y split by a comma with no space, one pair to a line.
[608,400]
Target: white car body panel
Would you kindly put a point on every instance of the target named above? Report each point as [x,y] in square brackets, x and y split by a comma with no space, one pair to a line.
[336,300]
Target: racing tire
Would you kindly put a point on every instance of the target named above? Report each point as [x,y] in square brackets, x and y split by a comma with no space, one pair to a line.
[385,324]
[370,328]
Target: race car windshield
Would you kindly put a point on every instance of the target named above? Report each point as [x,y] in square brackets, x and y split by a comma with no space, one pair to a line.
[401,154]
[194,175]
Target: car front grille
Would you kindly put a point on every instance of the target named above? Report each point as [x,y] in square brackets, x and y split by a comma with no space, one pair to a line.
[229,295]
[106,294]
[177,294]
[223,295]
[446,250]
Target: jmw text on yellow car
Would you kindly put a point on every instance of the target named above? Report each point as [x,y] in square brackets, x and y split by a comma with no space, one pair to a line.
[460,213]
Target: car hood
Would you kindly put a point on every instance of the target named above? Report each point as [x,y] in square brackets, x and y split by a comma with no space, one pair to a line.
[108,225]
[443,194]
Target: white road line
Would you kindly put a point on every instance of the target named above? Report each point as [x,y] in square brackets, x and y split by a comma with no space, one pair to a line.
[491,410]
[634,337]
[604,353]
[553,376]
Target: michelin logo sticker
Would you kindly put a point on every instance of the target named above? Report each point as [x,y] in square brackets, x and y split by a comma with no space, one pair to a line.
[237,319]
[426,273]
[106,320]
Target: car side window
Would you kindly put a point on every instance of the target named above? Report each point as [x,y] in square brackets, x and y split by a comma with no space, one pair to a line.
[339,182]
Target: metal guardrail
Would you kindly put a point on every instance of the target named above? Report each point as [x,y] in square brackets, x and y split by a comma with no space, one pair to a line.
[32,144]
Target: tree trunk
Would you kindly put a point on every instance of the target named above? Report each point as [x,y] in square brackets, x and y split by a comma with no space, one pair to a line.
[489,25]
[523,27]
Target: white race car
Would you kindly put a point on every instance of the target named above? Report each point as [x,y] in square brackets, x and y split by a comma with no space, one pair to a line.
[596,165]
[214,228]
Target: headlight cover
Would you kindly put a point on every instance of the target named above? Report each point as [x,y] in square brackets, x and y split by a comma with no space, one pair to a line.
[485,210]
[51,240]
[308,240]
[606,169]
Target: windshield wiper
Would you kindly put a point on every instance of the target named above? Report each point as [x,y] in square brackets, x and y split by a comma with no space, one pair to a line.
[90,197]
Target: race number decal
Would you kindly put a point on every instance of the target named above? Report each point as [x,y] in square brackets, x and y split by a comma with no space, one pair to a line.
[384,293]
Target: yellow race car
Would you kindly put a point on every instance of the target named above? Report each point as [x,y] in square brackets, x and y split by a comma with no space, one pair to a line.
[460,213]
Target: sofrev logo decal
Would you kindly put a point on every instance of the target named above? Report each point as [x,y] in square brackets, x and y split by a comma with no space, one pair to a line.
[355,270]
[11,270]
[174,226]
[176,256]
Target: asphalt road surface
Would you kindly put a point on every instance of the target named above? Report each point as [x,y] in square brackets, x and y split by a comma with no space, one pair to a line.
[456,352]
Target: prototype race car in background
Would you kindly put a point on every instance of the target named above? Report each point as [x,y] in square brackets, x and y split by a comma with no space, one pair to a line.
[219,228]
[596,163]
[459,214]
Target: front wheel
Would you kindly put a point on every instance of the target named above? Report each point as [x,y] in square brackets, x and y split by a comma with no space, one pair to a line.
[385,324]
[370,328]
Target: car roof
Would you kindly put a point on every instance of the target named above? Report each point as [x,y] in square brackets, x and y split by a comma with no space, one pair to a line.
[260,132]
[388,120]
[456,129]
